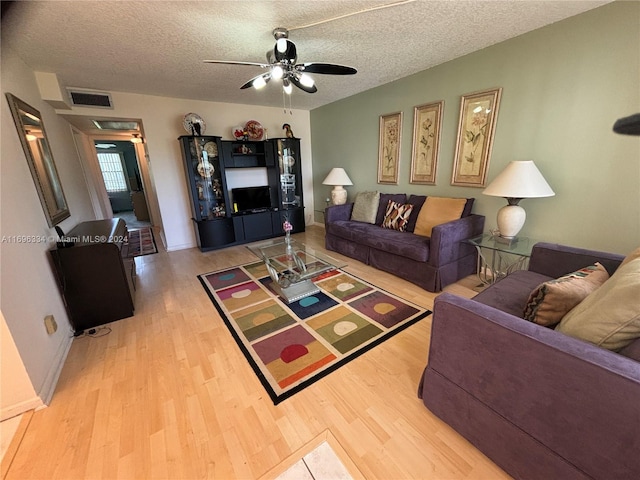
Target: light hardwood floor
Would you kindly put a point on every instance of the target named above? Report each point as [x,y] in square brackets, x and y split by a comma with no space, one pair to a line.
[168,394]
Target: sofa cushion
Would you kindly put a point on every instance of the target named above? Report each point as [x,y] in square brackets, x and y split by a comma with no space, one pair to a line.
[511,293]
[365,207]
[610,316]
[397,216]
[399,243]
[417,201]
[404,244]
[438,210]
[384,203]
[353,231]
[552,300]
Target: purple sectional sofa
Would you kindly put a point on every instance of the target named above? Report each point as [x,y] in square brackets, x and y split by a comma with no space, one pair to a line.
[431,263]
[540,404]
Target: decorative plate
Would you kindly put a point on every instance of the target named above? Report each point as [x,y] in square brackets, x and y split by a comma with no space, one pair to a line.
[254,129]
[205,169]
[194,124]
[238,132]
[211,148]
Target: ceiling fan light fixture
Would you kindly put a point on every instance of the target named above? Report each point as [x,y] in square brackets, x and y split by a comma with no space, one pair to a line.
[281,44]
[307,80]
[259,83]
[287,87]
[277,72]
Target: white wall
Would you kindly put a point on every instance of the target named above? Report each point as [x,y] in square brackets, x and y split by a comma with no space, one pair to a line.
[17,395]
[28,288]
[162,122]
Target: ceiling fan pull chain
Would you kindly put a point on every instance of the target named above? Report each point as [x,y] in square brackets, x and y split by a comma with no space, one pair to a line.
[284,103]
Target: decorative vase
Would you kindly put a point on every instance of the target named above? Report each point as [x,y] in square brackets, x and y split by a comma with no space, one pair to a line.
[287,240]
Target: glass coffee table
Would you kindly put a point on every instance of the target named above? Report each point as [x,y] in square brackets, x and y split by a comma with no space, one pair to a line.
[293,266]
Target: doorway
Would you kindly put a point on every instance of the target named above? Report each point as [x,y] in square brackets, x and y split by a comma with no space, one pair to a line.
[122,179]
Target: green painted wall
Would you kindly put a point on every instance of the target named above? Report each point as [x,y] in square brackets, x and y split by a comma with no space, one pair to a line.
[563,88]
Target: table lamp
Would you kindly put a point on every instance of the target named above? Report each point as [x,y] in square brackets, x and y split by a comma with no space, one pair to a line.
[521,179]
[338,177]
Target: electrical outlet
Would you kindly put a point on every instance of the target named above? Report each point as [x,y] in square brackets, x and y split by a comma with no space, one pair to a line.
[50,324]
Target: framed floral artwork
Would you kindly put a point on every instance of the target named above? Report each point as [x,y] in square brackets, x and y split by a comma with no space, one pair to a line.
[426,141]
[478,116]
[389,148]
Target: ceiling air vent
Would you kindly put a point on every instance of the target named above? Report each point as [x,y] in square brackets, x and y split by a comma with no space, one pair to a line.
[89,98]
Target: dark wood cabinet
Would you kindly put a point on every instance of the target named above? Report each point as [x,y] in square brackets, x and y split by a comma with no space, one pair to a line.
[96,276]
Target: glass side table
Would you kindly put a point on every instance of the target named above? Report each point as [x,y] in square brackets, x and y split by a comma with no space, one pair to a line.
[497,257]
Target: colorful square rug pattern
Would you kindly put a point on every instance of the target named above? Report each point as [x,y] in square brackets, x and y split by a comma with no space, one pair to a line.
[290,346]
[141,242]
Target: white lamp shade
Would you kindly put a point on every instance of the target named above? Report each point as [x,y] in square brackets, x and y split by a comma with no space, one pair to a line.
[337,176]
[521,179]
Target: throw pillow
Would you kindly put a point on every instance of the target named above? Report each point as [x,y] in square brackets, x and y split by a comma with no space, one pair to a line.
[384,202]
[632,256]
[610,316]
[552,300]
[396,216]
[365,207]
[438,210]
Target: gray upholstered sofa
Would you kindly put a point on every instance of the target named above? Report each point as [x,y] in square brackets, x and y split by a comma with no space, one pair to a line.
[430,262]
[540,404]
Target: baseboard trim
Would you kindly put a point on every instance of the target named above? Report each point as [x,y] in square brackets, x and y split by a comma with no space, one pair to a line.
[13,447]
[19,408]
[49,386]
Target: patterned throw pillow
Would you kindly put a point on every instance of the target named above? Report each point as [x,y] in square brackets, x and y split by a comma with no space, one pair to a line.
[552,300]
[396,216]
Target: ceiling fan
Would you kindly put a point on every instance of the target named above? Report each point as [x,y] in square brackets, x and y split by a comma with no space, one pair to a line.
[281,65]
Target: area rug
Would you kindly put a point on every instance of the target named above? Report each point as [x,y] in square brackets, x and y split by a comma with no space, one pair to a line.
[291,346]
[141,242]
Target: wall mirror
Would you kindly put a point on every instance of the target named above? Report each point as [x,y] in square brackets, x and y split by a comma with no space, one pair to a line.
[43,169]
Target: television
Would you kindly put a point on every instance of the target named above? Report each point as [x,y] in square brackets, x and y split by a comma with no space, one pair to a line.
[251,199]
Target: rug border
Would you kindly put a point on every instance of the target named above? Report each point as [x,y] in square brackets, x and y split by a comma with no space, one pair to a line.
[153,239]
[275,398]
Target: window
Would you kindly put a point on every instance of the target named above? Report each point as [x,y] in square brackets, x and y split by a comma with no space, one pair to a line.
[113,172]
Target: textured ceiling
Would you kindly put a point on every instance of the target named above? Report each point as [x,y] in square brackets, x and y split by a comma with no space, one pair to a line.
[158,47]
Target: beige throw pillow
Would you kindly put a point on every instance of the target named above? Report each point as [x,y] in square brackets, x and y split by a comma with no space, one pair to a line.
[610,316]
[365,207]
[438,210]
[552,300]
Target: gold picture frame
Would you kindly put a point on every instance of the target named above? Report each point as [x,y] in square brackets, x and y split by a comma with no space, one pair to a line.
[478,117]
[389,148]
[426,142]
[40,159]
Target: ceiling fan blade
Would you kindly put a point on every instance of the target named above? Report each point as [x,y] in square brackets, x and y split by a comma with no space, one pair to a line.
[296,82]
[225,62]
[265,76]
[326,69]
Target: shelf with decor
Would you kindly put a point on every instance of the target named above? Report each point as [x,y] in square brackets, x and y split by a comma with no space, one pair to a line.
[207,190]
[239,154]
[287,154]
[242,191]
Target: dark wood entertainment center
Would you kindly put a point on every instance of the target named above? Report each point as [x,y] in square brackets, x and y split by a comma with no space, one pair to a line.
[211,162]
